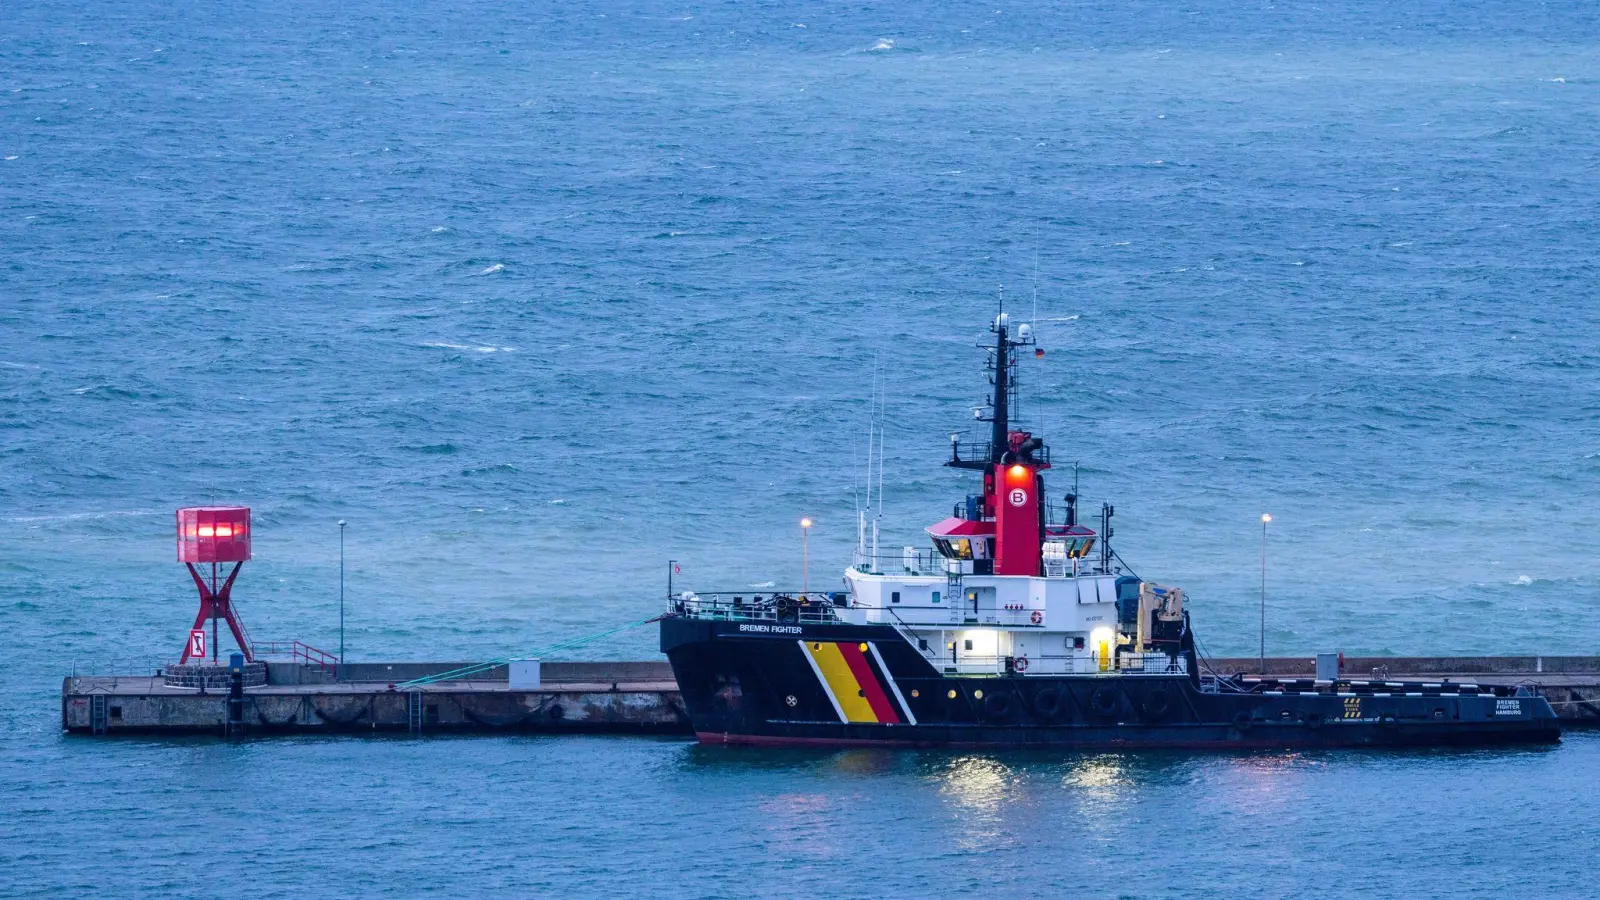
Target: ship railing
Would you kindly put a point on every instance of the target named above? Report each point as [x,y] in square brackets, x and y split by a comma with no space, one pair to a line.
[983,451]
[912,561]
[1076,664]
[797,607]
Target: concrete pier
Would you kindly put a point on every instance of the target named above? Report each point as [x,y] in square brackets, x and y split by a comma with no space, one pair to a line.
[610,697]
[620,698]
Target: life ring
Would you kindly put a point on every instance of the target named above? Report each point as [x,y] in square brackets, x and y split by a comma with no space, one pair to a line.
[1047,703]
[1156,704]
[1036,617]
[997,704]
[1020,664]
[1105,701]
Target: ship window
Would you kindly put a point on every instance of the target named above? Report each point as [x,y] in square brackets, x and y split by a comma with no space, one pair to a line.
[961,549]
[969,643]
[922,643]
[936,596]
[894,597]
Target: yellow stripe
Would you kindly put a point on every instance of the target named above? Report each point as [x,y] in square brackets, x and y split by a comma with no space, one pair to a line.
[841,681]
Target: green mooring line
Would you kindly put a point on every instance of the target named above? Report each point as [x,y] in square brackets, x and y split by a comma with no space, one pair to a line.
[477,668]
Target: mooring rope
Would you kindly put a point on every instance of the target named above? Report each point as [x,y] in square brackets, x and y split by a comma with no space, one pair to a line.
[478,668]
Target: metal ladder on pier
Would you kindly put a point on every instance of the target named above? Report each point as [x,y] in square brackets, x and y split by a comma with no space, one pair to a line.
[97,713]
[414,712]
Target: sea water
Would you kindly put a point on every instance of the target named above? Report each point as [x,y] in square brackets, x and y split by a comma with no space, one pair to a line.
[538,299]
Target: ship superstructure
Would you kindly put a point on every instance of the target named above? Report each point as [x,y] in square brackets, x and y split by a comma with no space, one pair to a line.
[1020,626]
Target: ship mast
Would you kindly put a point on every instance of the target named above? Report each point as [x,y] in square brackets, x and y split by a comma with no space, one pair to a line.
[1003,365]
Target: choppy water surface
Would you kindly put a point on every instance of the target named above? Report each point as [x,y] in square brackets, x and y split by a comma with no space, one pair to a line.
[538,299]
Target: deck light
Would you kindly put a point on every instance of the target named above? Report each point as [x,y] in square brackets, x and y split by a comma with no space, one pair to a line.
[1265,518]
[805,555]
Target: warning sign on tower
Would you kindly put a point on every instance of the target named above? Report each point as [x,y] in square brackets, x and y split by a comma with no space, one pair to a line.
[197,643]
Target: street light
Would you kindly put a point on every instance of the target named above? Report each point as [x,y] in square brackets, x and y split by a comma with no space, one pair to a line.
[1265,518]
[341,596]
[805,556]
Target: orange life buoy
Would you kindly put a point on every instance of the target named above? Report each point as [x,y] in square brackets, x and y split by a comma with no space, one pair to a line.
[1020,664]
[1037,618]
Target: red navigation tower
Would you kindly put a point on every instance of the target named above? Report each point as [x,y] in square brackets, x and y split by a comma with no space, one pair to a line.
[215,535]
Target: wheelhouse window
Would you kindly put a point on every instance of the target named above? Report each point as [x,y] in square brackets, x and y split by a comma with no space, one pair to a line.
[955,548]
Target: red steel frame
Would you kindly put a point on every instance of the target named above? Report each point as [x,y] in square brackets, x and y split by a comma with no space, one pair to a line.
[214,605]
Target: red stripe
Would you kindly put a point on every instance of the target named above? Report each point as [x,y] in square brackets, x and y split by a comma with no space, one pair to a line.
[881,707]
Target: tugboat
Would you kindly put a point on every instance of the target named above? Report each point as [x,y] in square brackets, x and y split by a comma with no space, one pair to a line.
[1023,628]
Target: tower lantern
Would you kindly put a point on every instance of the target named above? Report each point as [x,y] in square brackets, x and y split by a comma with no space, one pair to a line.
[214,535]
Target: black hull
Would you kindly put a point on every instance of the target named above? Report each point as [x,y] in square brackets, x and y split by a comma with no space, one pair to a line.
[746,683]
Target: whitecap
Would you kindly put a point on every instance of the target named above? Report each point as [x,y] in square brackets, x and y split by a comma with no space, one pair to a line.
[493,269]
[559,501]
[764,584]
[1556,80]
[881,45]
[10,158]
[439,228]
[1062,319]
[477,348]
[1523,579]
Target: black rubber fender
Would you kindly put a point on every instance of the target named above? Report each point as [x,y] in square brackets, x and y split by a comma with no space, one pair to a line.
[997,704]
[1156,704]
[1313,721]
[1104,701]
[1243,719]
[1047,703]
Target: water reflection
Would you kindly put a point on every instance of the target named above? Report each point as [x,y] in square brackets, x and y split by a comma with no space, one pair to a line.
[975,790]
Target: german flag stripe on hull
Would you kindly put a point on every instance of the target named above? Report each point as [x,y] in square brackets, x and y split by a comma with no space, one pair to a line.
[853,682]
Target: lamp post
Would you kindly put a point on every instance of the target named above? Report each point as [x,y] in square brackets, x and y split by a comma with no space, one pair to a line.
[805,556]
[1265,518]
[341,596]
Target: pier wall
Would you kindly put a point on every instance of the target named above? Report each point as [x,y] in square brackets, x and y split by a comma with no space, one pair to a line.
[609,697]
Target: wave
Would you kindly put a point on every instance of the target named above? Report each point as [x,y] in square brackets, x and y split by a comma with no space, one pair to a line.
[477,348]
[497,267]
[489,470]
[433,448]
